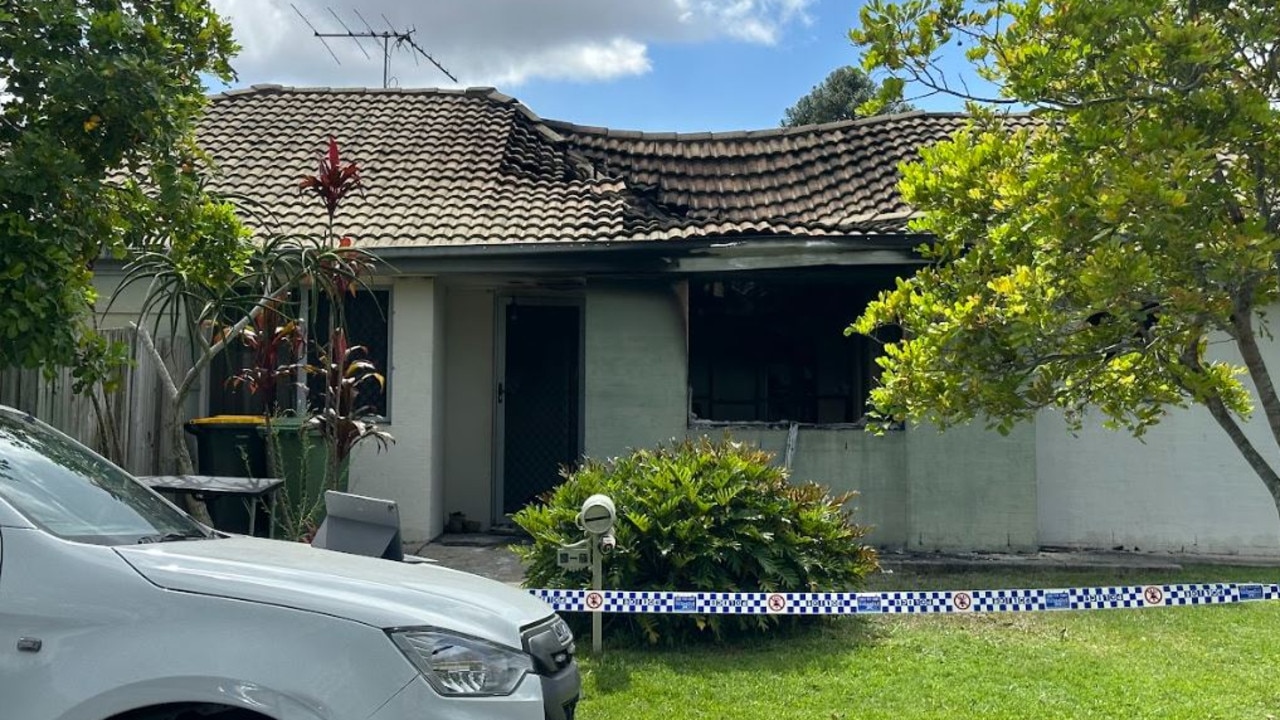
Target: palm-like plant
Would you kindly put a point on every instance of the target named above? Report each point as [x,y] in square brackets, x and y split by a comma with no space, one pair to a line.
[252,302]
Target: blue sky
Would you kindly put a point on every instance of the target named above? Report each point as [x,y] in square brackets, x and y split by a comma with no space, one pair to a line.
[683,65]
[719,85]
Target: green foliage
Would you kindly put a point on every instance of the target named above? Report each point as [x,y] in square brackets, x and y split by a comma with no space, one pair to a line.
[97,150]
[299,504]
[702,515]
[1090,255]
[839,97]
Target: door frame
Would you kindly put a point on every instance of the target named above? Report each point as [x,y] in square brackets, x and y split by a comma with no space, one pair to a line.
[503,301]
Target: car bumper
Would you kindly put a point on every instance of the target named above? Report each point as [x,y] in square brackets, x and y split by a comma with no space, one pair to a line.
[537,698]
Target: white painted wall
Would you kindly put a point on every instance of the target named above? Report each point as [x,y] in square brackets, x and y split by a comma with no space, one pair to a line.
[971,489]
[1185,489]
[125,309]
[410,472]
[1182,488]
[468,397]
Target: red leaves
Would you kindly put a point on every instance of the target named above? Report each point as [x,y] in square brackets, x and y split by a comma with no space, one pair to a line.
[333,153]
[333,180]
[274,341]
[345,371]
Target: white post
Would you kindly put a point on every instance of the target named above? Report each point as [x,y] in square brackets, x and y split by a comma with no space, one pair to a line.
[597,584]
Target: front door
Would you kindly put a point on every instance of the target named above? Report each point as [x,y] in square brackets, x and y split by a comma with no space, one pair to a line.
[538,400]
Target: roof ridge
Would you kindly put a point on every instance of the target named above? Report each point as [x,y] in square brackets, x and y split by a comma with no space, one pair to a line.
[482,92]
[763,133]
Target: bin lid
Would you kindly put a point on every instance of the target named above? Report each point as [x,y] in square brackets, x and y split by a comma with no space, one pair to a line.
[229,420]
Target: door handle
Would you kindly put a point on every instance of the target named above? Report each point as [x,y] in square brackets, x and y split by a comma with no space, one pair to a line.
[502,393]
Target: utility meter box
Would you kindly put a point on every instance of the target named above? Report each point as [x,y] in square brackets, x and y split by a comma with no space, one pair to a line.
[574,557]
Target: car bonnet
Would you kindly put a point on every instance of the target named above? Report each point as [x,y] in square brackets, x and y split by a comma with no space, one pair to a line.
[382,593]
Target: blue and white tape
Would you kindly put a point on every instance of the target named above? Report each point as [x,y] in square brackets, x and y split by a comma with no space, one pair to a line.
[870,603]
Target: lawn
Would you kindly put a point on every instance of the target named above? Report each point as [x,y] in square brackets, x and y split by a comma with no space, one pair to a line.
[1188,662]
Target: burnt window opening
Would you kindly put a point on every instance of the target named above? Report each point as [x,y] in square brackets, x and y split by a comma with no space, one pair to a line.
[368,324]
[774,349]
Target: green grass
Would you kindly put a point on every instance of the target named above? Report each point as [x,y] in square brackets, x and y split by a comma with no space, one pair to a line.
[1188,662]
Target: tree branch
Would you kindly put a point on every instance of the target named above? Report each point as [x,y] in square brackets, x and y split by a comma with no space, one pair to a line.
[211,351]
[1218,409]
[161,368]
[1251,455]
[1247,342]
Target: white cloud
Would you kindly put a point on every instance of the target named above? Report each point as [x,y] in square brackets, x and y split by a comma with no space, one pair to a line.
[490,42]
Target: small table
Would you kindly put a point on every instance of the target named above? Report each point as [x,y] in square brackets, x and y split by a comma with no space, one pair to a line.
[253,490]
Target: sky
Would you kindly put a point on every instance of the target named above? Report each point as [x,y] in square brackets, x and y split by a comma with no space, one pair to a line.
[657,65]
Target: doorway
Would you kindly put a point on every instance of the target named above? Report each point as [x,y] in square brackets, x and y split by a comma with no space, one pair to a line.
[539,398]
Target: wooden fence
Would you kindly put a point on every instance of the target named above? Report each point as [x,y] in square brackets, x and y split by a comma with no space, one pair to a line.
[126,425]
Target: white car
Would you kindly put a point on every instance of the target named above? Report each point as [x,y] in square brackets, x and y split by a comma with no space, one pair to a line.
[115,605]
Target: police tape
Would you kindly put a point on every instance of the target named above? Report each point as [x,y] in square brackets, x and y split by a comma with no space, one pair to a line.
[872,603]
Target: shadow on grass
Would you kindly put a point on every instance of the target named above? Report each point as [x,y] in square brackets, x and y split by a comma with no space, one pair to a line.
[794,650]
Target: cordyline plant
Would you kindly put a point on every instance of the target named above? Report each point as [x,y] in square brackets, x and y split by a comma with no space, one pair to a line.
[274,341]
[343,420]
[341,417]
[333,181]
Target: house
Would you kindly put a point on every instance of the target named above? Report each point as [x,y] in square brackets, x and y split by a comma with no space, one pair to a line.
[552,290]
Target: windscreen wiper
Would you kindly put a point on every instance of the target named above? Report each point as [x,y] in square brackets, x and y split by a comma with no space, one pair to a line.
[172,537]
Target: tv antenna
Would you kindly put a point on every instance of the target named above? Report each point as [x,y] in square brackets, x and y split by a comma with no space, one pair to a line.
[392,39]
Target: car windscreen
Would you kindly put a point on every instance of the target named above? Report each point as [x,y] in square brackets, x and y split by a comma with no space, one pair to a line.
[70,491]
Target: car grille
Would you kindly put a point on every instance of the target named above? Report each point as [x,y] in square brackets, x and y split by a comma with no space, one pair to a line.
[551,645]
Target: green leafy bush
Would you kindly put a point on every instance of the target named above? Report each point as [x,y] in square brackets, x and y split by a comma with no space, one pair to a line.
[702,515]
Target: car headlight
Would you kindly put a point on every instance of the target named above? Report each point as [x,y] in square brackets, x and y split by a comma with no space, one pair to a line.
[462,666]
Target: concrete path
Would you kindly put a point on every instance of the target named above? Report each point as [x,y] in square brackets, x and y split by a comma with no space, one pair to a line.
[485,555]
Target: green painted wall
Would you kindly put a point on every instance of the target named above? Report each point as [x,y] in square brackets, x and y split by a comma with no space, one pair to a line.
[636,376]
[845,460]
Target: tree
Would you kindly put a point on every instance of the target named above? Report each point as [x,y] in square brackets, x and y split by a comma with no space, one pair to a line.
[839,97]
[96,138]
[1117,248]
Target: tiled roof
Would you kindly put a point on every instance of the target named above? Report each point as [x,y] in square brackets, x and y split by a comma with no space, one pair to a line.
[839,178]
[475,167]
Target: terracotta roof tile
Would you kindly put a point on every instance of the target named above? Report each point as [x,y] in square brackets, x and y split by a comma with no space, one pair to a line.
[454,167]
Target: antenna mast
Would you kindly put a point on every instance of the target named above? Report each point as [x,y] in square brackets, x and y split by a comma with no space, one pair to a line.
[392,39]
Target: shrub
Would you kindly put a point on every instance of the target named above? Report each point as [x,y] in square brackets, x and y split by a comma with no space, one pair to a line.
[702,515]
